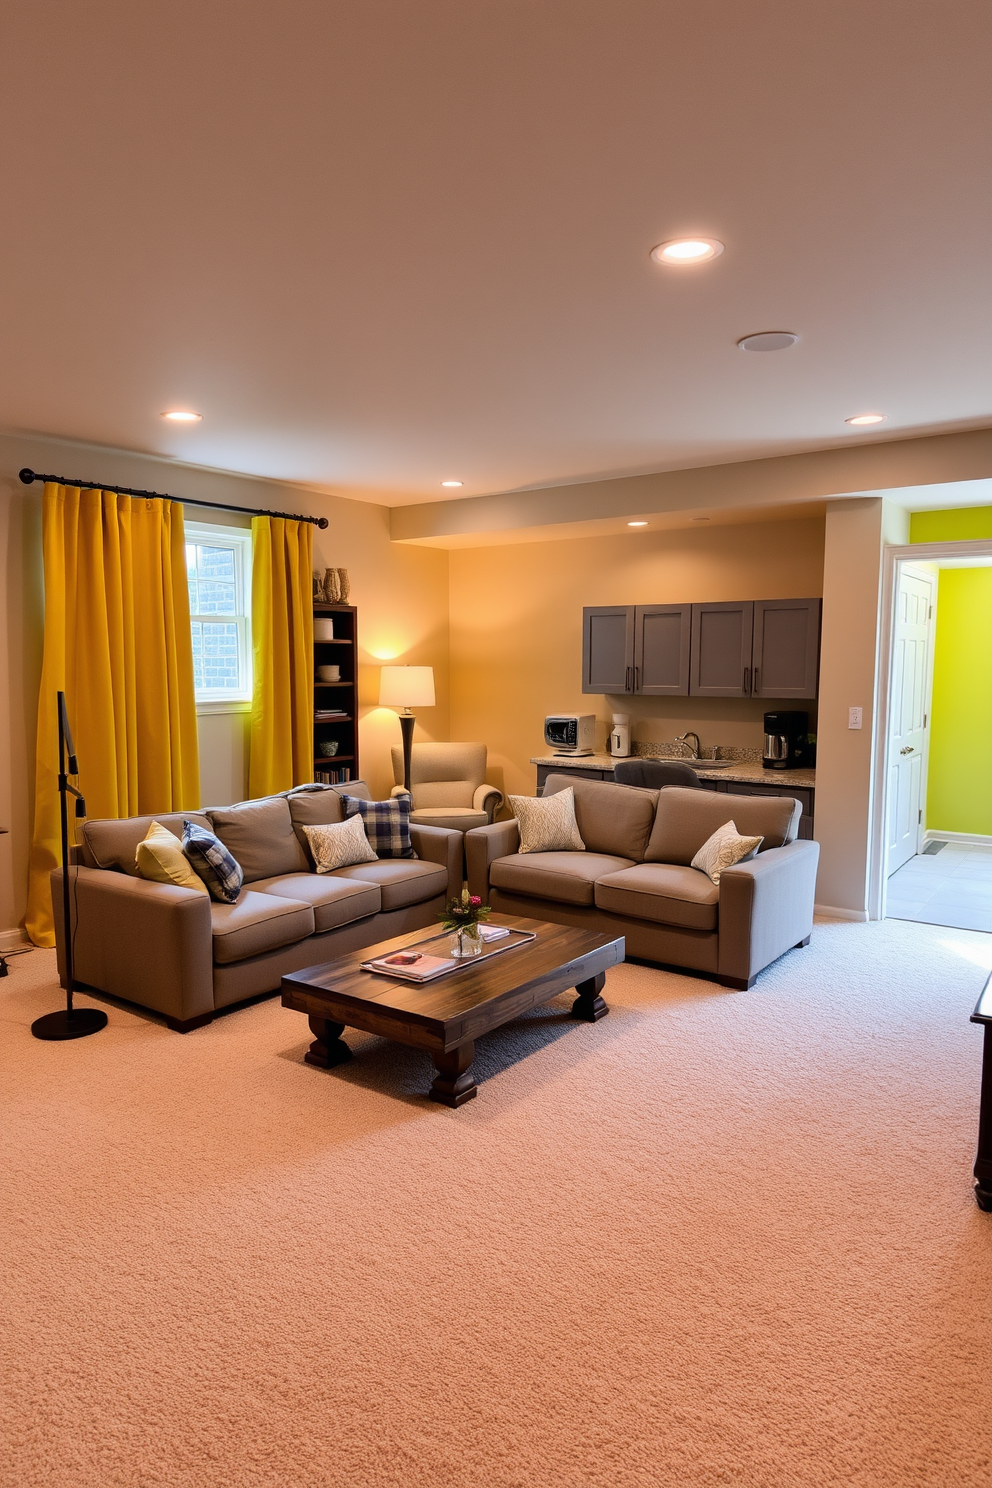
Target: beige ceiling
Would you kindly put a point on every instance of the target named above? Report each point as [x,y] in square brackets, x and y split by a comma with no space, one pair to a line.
[384,243]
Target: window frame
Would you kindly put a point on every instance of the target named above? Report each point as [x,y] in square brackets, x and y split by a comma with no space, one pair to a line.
[211,535]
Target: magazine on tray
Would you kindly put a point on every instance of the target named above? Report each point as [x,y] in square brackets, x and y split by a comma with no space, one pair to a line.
[412,966]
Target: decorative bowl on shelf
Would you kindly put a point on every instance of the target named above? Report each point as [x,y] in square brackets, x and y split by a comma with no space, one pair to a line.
[328,747]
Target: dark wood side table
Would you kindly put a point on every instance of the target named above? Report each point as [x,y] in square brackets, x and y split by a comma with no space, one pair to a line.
[445,1017]
[983,1161]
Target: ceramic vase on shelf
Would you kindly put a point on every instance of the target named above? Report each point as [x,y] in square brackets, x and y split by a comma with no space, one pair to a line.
[332,586]
[468,943]
[344,585]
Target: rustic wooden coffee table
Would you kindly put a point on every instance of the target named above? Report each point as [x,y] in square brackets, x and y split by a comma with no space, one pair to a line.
[445,1017]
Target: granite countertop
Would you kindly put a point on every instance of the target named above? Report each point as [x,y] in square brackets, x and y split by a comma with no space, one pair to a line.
[745,774]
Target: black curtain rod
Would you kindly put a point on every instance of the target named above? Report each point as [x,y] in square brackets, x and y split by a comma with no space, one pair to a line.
[28,476]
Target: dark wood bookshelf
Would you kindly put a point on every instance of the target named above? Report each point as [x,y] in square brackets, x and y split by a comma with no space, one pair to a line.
[342,651]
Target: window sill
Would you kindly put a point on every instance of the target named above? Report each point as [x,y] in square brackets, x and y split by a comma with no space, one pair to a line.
[224,705]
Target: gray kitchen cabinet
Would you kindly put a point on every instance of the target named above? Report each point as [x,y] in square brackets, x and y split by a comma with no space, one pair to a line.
[785,648]
[720,649]
[607,648]
[661,649]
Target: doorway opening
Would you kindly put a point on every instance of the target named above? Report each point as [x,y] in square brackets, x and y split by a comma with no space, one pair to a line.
[935,739]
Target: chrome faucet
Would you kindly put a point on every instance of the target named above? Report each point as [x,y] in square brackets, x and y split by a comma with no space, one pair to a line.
[684,739]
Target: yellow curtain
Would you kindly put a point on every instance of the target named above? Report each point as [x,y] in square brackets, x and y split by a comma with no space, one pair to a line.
[117,643]
[281,748]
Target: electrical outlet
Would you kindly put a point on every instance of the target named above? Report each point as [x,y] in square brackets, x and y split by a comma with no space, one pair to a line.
[854,718]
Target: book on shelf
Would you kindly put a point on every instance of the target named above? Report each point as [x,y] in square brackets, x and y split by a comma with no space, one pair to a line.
[340,775]
[326,715]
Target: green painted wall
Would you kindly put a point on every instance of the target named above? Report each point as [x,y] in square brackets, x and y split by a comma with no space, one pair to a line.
[962,524]
[959,782]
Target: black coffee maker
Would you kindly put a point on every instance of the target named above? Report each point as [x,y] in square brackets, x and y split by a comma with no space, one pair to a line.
[786,741]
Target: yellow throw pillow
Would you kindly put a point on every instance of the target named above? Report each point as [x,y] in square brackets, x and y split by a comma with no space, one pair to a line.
[161,859]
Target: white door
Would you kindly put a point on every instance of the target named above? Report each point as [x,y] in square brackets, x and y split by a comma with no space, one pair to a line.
[908,719]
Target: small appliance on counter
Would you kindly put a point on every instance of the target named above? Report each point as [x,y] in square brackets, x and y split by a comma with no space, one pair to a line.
[571,733]
[786,741]
[620,736]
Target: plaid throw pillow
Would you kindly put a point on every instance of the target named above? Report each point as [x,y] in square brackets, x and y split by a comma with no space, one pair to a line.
[214,864]
[387,824]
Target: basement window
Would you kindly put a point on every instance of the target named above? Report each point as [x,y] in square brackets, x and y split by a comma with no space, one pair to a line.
[218,567]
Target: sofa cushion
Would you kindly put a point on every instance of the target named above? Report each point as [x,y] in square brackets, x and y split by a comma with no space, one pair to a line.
[260,836]
[662,892]
[566,877]
[401,881]
[113,843]
[257,923]
[454,818]
[387,824]
[613,819]
[214,863]
[160,859]
[686,818]
[335,901]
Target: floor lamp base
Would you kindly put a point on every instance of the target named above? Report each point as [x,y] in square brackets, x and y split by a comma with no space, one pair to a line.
[407,724]
[65,1025]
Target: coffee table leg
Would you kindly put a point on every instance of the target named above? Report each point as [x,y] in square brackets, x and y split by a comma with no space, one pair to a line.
[328,1047]
[454,1085]
[589,1005]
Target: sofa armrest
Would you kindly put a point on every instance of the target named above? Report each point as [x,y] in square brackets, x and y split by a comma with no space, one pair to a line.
[440,845]
[148,943]
[766,907]
[488,799]
[398,790]
[483,845]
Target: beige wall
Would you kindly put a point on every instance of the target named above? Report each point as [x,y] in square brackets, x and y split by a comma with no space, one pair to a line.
[855,534]
[401,593]
[516,631]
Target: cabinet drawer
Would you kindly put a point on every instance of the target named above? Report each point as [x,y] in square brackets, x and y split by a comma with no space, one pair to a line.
[543,771]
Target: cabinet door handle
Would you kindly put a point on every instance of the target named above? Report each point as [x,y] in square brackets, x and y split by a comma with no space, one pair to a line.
[754,682]
[744,687]
[637,679]
[907,750]
[626,679]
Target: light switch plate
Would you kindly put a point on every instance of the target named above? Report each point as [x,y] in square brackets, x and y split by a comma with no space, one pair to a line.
[854,718]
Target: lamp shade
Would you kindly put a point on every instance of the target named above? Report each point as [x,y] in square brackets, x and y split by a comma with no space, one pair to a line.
[406,687]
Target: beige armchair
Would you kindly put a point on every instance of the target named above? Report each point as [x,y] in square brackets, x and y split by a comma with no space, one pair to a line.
[448,785]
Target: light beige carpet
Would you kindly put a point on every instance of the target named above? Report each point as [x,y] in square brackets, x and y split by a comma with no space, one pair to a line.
[718,1238]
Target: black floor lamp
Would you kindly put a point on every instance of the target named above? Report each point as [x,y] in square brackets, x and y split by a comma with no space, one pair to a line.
[406,687]
[74,1022]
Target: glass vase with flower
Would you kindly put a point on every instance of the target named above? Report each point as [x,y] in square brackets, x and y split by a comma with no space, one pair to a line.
[464,917]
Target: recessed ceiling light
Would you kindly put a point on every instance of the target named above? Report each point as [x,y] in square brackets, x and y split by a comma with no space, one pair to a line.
[183,416]
[700,519]
[637,524]
[686,250]
[866,418]
[452,483]
[768,341]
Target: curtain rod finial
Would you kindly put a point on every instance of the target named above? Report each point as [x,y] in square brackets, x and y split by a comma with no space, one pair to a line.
[26,475]
[321,523]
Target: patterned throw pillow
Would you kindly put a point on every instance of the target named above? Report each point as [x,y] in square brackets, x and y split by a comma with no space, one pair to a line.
[339,844]
[160,859]
[725,848]
[212,861]
[387,824]
[547,823]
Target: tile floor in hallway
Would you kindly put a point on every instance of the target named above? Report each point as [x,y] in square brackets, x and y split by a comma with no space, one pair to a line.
[951,887]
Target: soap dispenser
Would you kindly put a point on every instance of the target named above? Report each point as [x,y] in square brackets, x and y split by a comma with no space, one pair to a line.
[620,735]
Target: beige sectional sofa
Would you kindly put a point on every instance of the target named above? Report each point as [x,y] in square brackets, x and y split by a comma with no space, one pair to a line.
[176,951]
[635,879]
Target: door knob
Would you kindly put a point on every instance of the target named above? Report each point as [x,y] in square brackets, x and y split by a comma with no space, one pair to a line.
[907,750]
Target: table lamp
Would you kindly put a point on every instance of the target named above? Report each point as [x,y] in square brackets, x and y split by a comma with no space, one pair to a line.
[406,687]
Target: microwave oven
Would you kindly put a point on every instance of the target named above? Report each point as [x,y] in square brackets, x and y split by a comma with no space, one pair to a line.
[571,733]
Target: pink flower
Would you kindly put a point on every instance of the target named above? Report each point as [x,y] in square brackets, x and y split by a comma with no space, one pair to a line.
[475,901]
